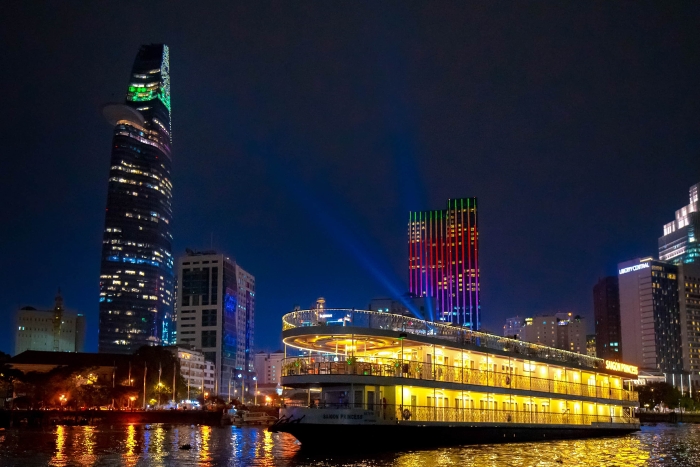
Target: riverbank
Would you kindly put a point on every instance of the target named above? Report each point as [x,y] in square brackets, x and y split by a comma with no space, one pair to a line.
[669,417]
[17,418]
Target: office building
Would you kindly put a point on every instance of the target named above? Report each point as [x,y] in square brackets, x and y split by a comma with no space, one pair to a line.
[591,349]
[689,308]
[443,261]
[408,305]
[680,242]
[216,314]
[173,323]
[562,331]
[268,367]
[52,330]
[198,373]
[650,316]
[136,272]
[514,327]
[606,312]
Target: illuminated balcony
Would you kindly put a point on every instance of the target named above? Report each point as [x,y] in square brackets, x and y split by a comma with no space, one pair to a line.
[389,325]
[417,372]
[408,414]
[342,346]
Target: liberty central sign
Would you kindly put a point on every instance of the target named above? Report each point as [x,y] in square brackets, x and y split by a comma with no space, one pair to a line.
[636,267]
[622,367]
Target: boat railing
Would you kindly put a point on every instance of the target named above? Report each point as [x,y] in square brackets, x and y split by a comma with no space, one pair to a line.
[457,414]
[340,317]
[385,367]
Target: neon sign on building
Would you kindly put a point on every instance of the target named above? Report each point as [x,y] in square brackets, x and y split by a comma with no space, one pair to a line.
[622,367]
[636,267]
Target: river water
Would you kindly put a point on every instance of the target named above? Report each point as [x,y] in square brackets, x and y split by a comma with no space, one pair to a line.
[159,445]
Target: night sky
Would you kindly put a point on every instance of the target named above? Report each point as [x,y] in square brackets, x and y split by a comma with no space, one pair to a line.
[304,132]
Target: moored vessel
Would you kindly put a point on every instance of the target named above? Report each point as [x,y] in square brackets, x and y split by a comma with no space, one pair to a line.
[385,380]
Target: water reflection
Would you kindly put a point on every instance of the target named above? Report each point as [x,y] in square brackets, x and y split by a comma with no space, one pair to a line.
[86,439]
[267,445]
[204,455]
[148,445]
[130,458]
[627,451]
[57,458]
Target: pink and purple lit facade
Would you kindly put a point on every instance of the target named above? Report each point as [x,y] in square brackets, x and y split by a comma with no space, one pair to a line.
[443,261]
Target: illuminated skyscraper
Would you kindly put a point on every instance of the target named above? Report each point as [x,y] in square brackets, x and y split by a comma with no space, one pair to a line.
[650,319]
[606,310]
[443,261]
[136,274]
[681,240]
[216,314]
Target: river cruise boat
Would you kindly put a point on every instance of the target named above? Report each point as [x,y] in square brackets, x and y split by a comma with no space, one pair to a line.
[384,380]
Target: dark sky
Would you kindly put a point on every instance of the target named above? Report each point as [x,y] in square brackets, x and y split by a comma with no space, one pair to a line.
[304,132]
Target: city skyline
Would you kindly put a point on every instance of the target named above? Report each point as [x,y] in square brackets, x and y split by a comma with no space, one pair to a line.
[301,159]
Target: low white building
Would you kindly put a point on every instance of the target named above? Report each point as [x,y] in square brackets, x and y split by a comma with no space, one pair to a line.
[561,330]
[514,327]
[199,374]
[268,367]
[53,330]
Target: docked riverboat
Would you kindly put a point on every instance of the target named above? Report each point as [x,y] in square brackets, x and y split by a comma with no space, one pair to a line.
[379,380]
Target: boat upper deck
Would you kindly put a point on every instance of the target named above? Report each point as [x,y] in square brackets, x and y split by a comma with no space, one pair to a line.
[340,321]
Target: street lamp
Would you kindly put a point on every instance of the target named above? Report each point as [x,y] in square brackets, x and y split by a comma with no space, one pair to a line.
[62,399]
[255,396]
[230,375]
[242,388]
[159,389]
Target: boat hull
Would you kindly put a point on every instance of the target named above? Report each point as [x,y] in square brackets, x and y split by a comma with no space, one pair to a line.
[415,435]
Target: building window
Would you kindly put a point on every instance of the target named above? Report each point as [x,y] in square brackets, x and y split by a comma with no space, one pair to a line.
[208,338]
[195,284]
[209,317]
[214,285]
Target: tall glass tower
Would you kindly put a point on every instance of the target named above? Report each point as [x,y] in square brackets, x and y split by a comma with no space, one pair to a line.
[136,273]
[680,243]
[443,261]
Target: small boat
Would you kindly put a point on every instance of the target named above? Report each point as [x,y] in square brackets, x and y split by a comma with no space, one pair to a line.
[244,418]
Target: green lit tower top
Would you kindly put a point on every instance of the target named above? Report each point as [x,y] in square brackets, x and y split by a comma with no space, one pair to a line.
[136,276]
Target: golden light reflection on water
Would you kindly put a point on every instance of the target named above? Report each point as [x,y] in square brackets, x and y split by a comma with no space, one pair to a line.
[86,439]
[268,444]
[204,454]
[130,458]
[158,449]
[627,451]
[58,458]
[150,445]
